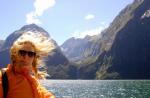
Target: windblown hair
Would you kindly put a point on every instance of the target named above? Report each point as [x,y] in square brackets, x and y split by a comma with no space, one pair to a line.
[41,44]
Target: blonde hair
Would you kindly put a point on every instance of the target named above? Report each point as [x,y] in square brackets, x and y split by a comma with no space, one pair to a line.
[41,44]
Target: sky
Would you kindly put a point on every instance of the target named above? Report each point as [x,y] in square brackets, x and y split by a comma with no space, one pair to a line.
[62,19]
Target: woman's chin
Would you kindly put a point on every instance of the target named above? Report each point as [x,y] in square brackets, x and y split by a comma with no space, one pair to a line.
[25,69]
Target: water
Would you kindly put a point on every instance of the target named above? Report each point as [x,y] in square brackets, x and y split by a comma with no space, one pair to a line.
[99,88]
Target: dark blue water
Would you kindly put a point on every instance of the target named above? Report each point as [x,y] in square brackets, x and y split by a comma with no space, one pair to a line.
[99,88]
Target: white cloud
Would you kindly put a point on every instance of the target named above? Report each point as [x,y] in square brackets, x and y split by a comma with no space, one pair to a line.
[78,34]
[82,34]
[40,7]
[89,17]
[31,18]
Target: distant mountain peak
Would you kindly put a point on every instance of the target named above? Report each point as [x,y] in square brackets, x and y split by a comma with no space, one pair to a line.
[34,28]
[26,28]
[30,26]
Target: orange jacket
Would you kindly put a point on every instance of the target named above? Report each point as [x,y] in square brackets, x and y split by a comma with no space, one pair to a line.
[23,86]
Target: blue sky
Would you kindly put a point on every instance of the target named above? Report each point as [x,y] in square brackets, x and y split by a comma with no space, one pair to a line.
[61,18]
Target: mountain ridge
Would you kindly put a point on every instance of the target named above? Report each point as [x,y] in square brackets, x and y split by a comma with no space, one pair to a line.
[128,58]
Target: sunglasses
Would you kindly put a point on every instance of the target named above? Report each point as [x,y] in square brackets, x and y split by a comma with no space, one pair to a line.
[29,53]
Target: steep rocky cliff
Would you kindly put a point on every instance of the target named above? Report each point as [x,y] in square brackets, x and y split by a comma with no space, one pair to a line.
[128,56]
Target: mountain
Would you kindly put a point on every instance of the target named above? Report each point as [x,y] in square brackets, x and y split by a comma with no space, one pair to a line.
[57,65]
[12,37]
[123,48]
[82,53]
[4,51]
[128,57]
[78,49]
[91,67]
[1,43]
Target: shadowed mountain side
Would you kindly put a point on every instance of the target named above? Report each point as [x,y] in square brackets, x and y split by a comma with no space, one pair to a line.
[1,43]
[78,50]
[96,66]
[59,67]
[4,58]
[130,51]
[129,56]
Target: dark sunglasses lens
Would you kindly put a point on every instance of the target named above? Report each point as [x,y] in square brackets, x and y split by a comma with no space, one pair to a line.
[31,54]
[23,53]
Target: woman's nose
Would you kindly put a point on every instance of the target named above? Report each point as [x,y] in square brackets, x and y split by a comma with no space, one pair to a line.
[25,56]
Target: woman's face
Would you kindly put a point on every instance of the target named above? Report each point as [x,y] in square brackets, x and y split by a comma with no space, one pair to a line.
[26,55]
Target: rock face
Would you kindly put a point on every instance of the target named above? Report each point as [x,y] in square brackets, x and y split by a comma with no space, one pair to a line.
[77,49]
[1,43]
[123,48]
[128,57]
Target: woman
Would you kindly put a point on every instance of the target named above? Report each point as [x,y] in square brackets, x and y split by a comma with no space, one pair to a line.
[26,54]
